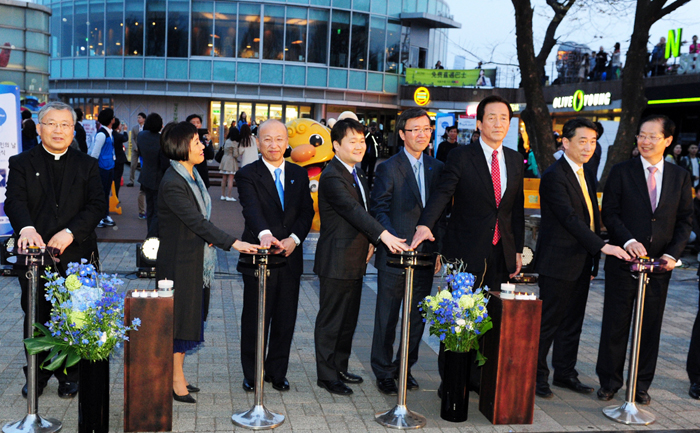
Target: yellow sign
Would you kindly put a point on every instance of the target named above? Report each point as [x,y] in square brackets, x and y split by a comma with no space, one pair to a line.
[421,96]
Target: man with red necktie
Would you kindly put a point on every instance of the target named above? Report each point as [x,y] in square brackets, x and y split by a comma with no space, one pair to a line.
[486,228]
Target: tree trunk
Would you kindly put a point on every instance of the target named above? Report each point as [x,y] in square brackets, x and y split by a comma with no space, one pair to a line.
[633,100]
[538,122]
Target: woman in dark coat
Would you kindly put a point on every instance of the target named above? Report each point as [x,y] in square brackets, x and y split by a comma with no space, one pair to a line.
[187,238]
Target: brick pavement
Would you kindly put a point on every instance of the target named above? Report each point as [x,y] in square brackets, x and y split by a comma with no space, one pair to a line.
[216,368]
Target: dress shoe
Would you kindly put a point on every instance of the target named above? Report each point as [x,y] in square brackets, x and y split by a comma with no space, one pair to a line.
[191,388]
[279,385]
[130,184]
[348,377]
[694,390]
[187,398]
[67,389]
[334,387]
[573,384]
[642,397]
[543,390]
[411,382]
[248,385]
[39,390]
[606,394]
[387,386]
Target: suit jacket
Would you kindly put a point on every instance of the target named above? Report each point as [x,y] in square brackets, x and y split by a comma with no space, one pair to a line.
[119,139]
[183,232]
[81,137]
[31,200]
[396,202]
[627,210]
[134,138]
[346,227]
[565,238]
[203,167]
[466,177]
[262,208]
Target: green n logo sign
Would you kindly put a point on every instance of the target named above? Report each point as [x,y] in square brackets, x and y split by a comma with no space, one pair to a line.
[673,45]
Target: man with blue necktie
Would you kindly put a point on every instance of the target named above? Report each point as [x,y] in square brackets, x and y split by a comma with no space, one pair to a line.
[278,211]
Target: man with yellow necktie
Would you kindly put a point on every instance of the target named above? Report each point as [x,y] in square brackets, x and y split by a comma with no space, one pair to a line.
[567,255]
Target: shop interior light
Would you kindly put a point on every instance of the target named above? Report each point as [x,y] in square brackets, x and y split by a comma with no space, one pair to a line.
[673,101]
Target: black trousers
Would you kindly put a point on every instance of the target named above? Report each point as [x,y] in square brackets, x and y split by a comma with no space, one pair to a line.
[43,314]
[367,165]
[495,275]
[335,325]
[118,173]
[620,295]
[563,311]
[390,294]
[151,211]
[107,176]
[693,363]
[281,300]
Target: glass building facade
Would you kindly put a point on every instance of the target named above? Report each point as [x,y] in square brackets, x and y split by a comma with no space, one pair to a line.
[297,53]
[24,49]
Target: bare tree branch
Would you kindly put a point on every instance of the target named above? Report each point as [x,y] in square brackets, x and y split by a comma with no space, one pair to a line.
[560,11]
[670,8]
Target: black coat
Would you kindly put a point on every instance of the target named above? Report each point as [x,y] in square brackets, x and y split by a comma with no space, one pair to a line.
[396,201]
[80,137]
[31,200]
[627,210]
[565,238]
[183,231]
[262,209]
[151,159]
[119,139]
[466,177]
[346,227]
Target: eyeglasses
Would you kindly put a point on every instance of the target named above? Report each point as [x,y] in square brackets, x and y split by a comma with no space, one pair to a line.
[61,126]
[652,139]
[418,131]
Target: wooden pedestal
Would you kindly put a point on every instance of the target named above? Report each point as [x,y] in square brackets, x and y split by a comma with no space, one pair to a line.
[508,377]
[148,365]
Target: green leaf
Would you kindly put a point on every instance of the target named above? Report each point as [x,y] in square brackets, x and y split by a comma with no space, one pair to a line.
[40,344]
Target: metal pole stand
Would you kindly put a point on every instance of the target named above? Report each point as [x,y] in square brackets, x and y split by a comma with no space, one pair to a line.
[258,417]
[33,422]
[628,413]
[400,417]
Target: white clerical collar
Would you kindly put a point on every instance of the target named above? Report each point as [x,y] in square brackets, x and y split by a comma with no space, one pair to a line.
[56,156]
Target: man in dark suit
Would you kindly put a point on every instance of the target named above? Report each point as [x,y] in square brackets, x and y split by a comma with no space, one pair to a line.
[343,250]
[487,225]
[648,209]
[567,255]
[402,186]
[278,210]
[55,198]
[486,228]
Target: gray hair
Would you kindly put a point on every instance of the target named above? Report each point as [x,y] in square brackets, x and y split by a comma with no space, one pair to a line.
[56,105]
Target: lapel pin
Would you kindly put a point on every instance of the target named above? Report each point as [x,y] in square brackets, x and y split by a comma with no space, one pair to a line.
[292,181]
[37,173]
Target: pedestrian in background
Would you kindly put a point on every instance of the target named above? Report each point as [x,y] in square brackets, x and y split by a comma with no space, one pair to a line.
[229,166]
[149,149]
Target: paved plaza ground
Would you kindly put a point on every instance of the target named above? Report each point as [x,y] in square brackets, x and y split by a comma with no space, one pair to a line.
[216,367]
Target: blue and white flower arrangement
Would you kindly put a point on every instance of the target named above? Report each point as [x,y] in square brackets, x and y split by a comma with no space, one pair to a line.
[87,317]
[458,314]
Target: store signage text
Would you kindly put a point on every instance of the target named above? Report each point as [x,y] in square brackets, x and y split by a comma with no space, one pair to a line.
[579,100]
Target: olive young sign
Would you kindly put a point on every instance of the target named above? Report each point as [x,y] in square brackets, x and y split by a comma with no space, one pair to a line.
[579,100]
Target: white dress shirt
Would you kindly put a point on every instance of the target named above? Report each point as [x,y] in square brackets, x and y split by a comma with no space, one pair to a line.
[272,169]
[488,153]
